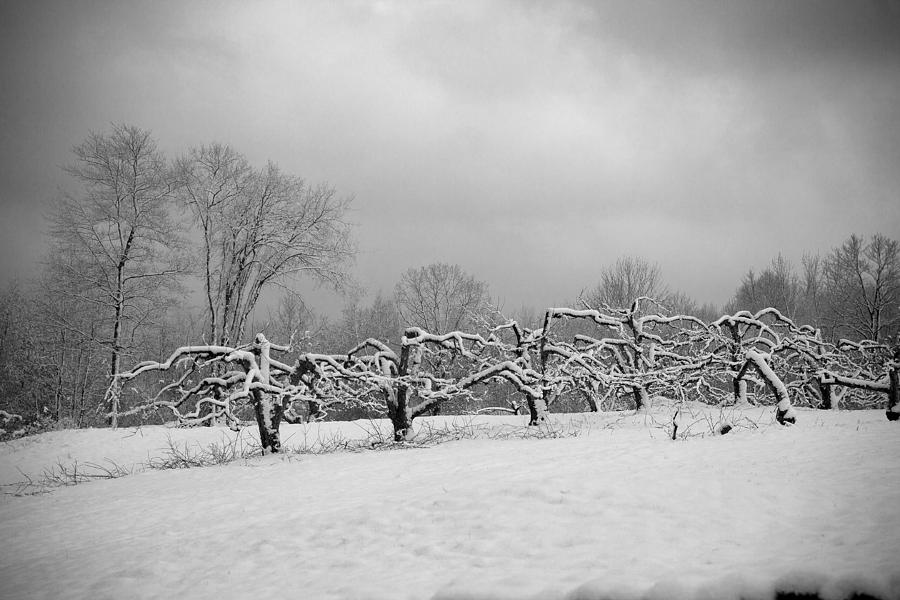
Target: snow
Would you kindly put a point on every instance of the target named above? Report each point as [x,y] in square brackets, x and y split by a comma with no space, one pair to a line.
[617,511]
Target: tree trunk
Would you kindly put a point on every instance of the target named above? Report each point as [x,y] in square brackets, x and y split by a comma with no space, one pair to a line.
[305,372]
[57,408]
[826,391]
[739,384]
[784,412]
[268,411]
[537,406]
[73,396]
[893,407]
[315,411]
[401,418]
[268,419]
[113,419]
[641,398]
[740,390]
[537,409]
[590,395]
[399,410]
[115,362]
[81,405]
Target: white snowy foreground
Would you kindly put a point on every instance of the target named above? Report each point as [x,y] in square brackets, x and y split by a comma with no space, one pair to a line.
[617,511]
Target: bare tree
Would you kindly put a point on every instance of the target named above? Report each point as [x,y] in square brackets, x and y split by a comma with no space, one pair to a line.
[863,287]
[746,342]
[258,228]
[255,381]
[379,320]
[777,286]
[292,321]
[115,244]
[631,277]
[812,297]
[679,303]
[440,298]
[24,371]
[625,350]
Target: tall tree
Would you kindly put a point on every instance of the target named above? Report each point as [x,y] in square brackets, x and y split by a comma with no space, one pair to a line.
[23,371]
[439,298]
[629,278]
[863,287]
[777,286]
[292,322]
[378,320]
[811,293]
[258,227]
[115,243]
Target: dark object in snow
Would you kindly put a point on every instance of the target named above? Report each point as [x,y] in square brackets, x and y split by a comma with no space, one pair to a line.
[893,407]
[725,428]
[782,418]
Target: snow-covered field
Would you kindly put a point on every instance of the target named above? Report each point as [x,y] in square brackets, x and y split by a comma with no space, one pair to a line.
[617,511]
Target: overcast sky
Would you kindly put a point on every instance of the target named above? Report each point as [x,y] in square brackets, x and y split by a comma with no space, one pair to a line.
[531,143]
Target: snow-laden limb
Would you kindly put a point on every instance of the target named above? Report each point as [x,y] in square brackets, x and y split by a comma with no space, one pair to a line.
[7,417]
[526,381]
[809,366]
[634,353]
[600,353]
[414,390]
[877,369]
[193,353]
[623,350]
[785,413]
[328,380]
[882,385]
[216,396]
[833,369]
[745,341]
[456,341]
[591,314]
[8,420]
[862,345]
[385,359]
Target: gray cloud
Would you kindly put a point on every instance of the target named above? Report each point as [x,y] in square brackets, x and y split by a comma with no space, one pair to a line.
[530,142]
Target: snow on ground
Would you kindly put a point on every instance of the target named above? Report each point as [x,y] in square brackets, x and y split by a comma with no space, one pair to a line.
[619,510]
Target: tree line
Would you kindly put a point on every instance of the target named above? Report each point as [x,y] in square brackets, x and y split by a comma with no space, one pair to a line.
[153,253]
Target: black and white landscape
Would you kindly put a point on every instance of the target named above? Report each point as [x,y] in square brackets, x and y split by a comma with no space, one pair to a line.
[501,299]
